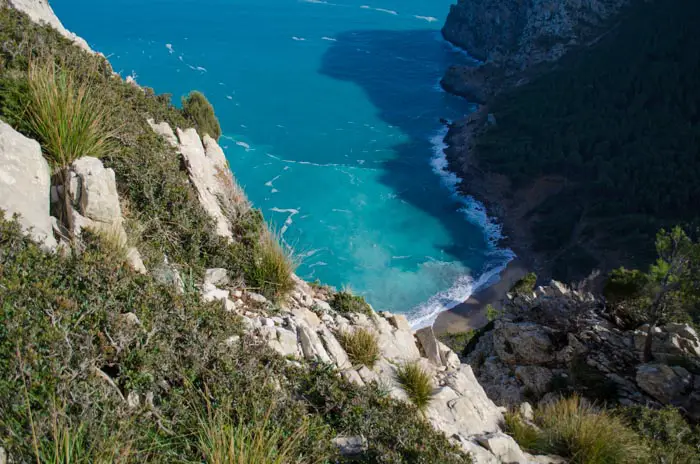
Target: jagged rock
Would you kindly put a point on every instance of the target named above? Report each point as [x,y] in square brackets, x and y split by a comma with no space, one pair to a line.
[503,447]
[430,345]
[367,375]
[203,176]
[536,379]
[133,258]
[97,192]
[308,316]
[322,305]
[212,293]
[25,185]
[311,345]
[216,276]
[351,446]
[353,377]
[285,342]
[666,384]
[333,348]
[41,12]
[526,412]
[449,357]
[522,343]
[257,298]
[164,130]
[400,322]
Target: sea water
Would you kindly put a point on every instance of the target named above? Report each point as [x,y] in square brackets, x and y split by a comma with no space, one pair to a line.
[331,122]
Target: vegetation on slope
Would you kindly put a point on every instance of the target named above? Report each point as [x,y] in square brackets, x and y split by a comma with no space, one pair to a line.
[619,121]
[102,364]
[197,109]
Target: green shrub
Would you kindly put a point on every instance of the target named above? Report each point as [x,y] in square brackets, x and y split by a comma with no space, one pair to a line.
[492,313]
[527,436]
[525,285]
[197,109]
[417,384]
[671,439]
[68,117]
[346,303]
[458,341]
[271,267]
[361,345]
[576,430]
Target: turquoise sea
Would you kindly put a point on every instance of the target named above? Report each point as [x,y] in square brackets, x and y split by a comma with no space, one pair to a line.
[330,113]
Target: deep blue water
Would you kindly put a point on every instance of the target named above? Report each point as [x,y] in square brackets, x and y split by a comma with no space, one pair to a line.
[330,113]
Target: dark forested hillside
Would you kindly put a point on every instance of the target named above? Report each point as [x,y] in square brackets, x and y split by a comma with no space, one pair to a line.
[620,121]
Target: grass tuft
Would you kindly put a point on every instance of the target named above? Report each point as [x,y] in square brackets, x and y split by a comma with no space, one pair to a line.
[361,345]
[576,430]
[67,117]
[346,303]
[417,384]
[272,266]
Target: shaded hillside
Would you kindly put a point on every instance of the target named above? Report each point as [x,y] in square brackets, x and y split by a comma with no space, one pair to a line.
[618,121]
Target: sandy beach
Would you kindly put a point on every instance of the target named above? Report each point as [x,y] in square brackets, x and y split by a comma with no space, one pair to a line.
[472,313]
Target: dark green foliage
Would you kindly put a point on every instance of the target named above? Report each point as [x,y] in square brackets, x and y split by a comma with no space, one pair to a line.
[197,109]
[345,302]
[619,122]
[670,437]
[457,342]
[525,285]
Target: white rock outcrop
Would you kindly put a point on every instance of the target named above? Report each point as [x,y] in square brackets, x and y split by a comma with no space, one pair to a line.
[41,12]
[25,182]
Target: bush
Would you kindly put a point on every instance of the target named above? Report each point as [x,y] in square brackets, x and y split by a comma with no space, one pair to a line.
[671,439]
[67,117]
[417,384]
[525,285]
[271,267]
[361,345]
[458,341]
[346,303]
[574,429]
[197,109]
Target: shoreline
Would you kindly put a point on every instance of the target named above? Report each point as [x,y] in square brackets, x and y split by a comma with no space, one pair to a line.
[471,314]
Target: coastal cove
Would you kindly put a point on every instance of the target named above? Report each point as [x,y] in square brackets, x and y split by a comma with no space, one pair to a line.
[333,131]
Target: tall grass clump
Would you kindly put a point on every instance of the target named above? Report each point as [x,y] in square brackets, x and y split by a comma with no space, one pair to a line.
[577,430]
[222,440]
[69,121]
[271,267]
[345,303]
[361,346]
[197,108]
[417,384]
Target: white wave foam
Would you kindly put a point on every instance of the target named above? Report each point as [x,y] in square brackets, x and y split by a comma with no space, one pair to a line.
[170,48]
[430,19]
[383,10]
[269,182]
[330,39]
[243,144]
[298,39]
[290,219]
[464,287]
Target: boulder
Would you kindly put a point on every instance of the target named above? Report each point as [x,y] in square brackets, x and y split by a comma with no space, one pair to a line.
[216,276]
[164,130]
[96,195]
[430,345]
[25,183]
[202,174]
[353,377]
[522,343]
[351,446]
[536,379]
[307,316]
[334,349]
[311,345]
[665,383]
[503,447]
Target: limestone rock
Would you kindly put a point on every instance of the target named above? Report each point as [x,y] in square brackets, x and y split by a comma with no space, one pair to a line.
[311,345]
[536,379]
[212,293]
[25,184]
[257,298]
[503,447]
[202,174]
[133,258]
[164,130]
[307,316]
[352,376]
[666,384]
[522,343]
[430,345]
[216,276]
[351,446]
[334,349]
[449,357]
[97,196]
[41,12]
[526,411]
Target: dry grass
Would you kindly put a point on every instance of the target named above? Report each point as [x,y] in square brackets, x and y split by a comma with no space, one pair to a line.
[272,267]
[577,430]
[68,117]
[361,345]
[417,384]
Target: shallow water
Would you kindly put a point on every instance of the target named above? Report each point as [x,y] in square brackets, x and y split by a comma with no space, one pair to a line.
[330,113]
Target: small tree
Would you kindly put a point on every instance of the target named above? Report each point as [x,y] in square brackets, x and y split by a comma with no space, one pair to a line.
[670,291]
[198,109]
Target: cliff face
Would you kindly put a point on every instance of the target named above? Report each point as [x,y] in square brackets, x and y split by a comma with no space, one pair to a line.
[524,33]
